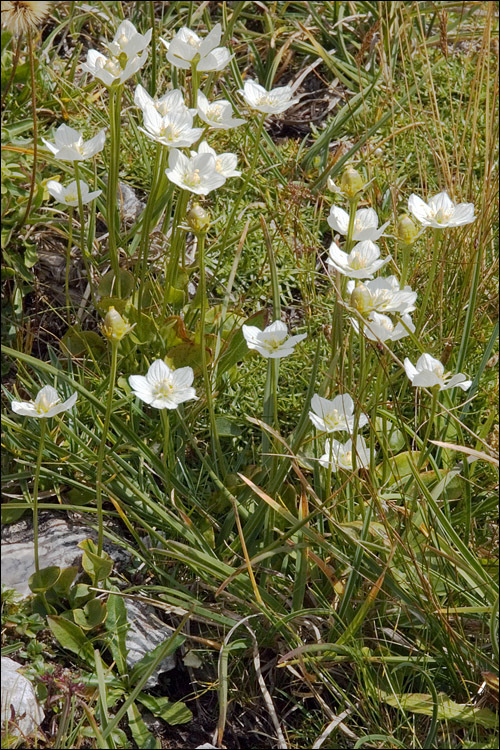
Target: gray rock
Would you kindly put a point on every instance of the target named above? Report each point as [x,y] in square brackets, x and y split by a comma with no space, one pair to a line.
[58,540]
[19,703]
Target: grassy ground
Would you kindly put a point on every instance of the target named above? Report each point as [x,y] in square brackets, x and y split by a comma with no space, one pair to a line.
[336,609]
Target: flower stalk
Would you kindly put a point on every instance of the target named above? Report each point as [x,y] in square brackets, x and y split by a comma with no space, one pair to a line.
[102,445]
[43,428]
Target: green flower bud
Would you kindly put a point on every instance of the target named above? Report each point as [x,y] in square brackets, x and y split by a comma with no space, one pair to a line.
[361,299]
[198,219]
[406,230]
[351,182]
[115,327]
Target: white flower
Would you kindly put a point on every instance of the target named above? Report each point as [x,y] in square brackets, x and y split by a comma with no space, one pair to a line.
[188,49]
[113,70]
[361,263]
[337,414]
[172,101]
[70,146]
[339,455]
[69,194]
[380,327]
[175,129]
[218,114]
[382,295]
[429,372]
[162,387]
[440,212]
[196,174]
[224,163]
[273,342]
[46,404]
[128,41]
[365,223]
[272,102]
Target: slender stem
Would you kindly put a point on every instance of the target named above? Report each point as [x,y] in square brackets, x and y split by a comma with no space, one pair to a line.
[102,446]
[68,262]
[244,184]
[43,427]
[83,246]
[405,251]
[214,435]
[168,456]
[176,236]
[425,449]
[146,221]
[112,196]
[194,86]
[15,61]
[353,204]
[152,88]
[430,282]
[35,129]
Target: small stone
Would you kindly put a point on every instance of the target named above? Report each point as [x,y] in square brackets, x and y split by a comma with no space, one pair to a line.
[20,709]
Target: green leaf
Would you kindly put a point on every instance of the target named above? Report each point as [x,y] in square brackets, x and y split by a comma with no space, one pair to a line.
[141,734]
[93,614]
[30,255]
[65,580]
[80,342]
[172,713]
[117,626]
[71,637]
[448,710]
[97,567]
[227,427]
[141,667]
[44,579]
[107,288]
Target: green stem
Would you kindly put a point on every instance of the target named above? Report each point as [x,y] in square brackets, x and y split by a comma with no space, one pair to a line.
[68,263]
[176,237]
[102,446]
[353,204]
[430,282]
[146,218]
[35,129]
[405,251]
[428,430]
[43,427]
[168,456]
[248,176]
[216,447]
[152,88]
[195,82]
[112,196]
[83,246]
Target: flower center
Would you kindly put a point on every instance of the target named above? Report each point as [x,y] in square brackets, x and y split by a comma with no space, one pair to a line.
[273,344]
[193,42]
[70,197]
[347,458]
[215,113]
[44,404]
[357,261]
[443,215]
[332,419]
[163,390]
[193,178]
[170,132]
[111,66]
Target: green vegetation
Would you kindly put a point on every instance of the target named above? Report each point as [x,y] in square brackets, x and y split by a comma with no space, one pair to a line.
[319,606]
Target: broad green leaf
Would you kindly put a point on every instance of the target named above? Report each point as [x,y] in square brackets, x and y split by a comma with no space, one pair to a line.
[117,626]
[107,287]
[448,710]
[93,614]
[44,579]
[98,568]
[141,734]
[141,667]
[71,637]
[172,713]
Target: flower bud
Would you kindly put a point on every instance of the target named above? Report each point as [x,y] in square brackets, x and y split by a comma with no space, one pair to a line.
[406,230]
[198,219]
[361,299]
[115,327]
[351,182]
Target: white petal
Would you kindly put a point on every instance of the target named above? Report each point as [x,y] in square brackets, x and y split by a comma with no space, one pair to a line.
[338,220]
[158,372]
[25,408]
[419,208]
[183,377]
